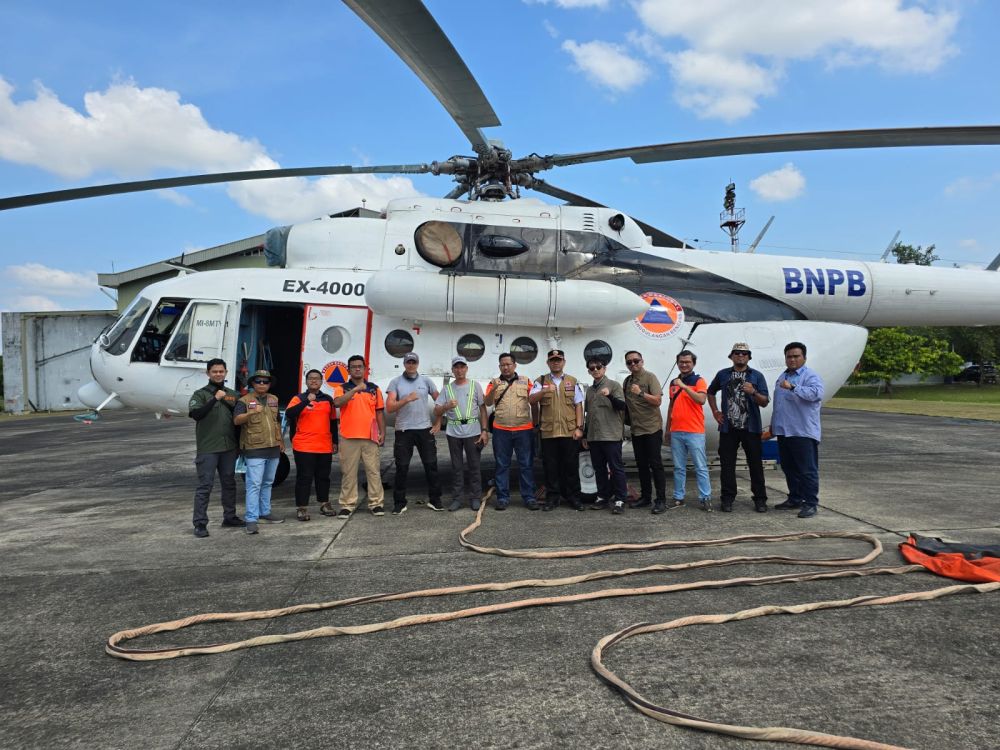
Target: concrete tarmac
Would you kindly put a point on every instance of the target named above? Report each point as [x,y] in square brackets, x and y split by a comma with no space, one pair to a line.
[96,537]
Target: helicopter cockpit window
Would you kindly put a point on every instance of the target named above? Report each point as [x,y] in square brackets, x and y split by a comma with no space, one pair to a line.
[439,242]
[157,330]
[117,340]
[198,337]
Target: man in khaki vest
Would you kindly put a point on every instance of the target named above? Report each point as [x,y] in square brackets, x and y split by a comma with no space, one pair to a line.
[559,398]
[508,395]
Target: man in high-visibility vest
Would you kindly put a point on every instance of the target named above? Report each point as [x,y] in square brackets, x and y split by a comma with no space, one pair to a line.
[463,403]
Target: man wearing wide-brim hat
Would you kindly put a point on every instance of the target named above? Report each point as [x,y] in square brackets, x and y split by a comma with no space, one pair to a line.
[744,393]
[256,414]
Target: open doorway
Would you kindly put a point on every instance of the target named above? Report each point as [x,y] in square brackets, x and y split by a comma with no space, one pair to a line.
[271,339]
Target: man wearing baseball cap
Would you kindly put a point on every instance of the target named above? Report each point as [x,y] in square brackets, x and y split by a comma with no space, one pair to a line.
[744,392]
[559,398]
[406,397]
[463,402]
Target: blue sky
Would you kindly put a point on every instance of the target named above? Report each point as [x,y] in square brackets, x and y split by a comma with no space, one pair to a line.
[93,93]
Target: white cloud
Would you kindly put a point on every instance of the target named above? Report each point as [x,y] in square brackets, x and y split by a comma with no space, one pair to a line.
[780,185]
[571,3]
[550,29]
[969,185]
[172,196]
[607,64]
[41,278]
[969,244]
[133,131]
[736,51]
[34,303]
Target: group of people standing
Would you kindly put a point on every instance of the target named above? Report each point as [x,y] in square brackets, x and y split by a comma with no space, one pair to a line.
[567,415]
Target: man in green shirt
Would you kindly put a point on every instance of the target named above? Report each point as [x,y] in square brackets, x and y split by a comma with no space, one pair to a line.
[643,396]
[211,408]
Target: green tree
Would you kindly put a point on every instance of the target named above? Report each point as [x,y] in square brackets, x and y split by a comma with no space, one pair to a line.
[915,255]
[892,352]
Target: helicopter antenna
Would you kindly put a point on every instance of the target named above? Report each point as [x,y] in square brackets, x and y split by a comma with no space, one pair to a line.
[753,245]
[892,244]
[732,219]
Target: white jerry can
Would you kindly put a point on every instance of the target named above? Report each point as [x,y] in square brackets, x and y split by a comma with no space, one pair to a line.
[588,485]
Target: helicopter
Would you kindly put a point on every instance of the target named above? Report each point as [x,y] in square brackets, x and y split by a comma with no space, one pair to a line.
[483,270]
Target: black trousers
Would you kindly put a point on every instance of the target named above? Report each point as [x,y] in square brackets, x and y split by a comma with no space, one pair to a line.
[561,463]
[729,443]
[402,452]
[312,468]
[609,469]
[207,465]
[649,462]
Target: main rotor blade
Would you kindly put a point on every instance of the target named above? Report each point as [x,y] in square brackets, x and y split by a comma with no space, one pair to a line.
[58,196]
[660,238]
[985,135]
[411,31]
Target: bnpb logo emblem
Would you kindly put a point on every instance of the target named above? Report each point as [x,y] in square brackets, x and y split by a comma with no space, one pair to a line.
[335,374]
[663,318]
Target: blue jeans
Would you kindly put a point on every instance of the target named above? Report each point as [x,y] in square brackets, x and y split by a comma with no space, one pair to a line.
[799,458]
[259,478]
[682,445]
[505,443]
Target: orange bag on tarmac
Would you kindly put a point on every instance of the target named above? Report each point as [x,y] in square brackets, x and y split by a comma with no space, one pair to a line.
[975,563]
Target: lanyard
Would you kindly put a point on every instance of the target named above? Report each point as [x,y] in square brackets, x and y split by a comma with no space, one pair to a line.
[468,405]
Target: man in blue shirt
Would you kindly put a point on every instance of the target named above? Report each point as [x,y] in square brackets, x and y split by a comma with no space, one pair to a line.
[744,392]
[798,396]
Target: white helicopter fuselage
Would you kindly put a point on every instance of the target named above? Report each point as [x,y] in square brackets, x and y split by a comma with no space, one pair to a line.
[441,277]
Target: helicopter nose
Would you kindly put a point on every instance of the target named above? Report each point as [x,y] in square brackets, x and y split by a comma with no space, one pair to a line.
[93,395]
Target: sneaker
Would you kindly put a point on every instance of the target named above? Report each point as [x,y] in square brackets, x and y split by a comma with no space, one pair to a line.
[599,504]
[706,504]
[235,522]
[726,506]
[577,505]
[377,511]
[476,503]
[788,505]
[501,505]
[399,509]
[642,502]
[435,504]
[271,518]
[618,508]
[455,505]
[532,505]
[200,531]
[344,513]
[675,503]
[659,507]
[251,527]
[808,511]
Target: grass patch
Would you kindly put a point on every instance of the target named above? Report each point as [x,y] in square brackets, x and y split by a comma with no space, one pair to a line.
[962,400]
[958,393]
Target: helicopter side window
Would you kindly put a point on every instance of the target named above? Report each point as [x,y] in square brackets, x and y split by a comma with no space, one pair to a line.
[398,343]
[598,349]
[522,251]
[119,338]
[439,243]
[524,349]
[198,337]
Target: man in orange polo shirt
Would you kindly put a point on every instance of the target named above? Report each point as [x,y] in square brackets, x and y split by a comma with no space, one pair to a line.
[362,433]
[686,430]
[312,420]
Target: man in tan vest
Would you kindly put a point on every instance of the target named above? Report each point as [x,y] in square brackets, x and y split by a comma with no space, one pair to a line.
[560,407]
[508,395]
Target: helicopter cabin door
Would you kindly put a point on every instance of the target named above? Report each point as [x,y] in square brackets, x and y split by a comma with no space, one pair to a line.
[332,333]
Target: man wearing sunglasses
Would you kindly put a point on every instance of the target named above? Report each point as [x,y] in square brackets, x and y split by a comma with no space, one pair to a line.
[744,393]
[643,397]
[605,431]
[256,414]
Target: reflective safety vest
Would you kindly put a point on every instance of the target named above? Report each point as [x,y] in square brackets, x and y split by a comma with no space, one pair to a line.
[468,418]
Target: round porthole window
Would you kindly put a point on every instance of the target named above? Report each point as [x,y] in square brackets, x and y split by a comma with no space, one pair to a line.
[398,343]
[471,347]
[335,339]
[598,349]
[524,350]
[439,242]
